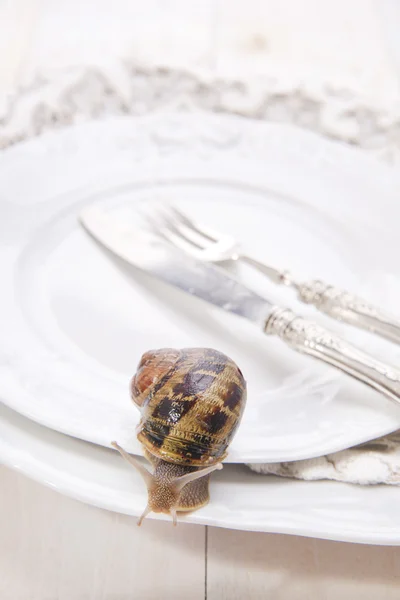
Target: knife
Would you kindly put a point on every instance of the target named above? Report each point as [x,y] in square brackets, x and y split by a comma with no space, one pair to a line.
[156,257]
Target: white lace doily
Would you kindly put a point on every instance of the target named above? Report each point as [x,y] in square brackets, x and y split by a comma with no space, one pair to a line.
[372,463]
[334,110]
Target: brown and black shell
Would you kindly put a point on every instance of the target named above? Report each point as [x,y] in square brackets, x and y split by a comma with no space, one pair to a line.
[191,403]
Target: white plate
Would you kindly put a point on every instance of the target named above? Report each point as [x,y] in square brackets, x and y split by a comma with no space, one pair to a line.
[240,499]
[75,322]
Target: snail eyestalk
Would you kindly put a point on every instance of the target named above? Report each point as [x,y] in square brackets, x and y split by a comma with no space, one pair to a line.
[181,481]
[147,476]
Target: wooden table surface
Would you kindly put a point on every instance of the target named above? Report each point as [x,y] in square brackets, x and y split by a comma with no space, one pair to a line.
[54,548]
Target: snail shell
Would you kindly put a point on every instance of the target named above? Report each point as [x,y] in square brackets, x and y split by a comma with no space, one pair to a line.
[191,404]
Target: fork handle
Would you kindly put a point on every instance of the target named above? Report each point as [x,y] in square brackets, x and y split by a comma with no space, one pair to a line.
[343,306]
[308,338]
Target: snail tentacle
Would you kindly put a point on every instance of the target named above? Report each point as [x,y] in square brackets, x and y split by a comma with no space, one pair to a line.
[144,514]
[181,481]
[147,476]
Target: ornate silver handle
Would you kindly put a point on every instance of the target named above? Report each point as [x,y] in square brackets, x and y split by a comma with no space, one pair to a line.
[343,306]
[334,302]
[307,337]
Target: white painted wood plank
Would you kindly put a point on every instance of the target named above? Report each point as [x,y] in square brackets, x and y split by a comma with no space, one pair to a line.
[54,548]
[17,21]
[334,41]
[95,31]
[259,566]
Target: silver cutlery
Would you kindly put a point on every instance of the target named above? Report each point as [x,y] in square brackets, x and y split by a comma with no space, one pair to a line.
[154,256]
[211,246]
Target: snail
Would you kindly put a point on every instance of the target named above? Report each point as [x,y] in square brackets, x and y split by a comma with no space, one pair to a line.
[191,403]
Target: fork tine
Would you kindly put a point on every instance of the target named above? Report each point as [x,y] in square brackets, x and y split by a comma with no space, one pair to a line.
[183,218]
[177,228]
[167,231]
[173,226]
[180,215]
[188,229]
[175,223]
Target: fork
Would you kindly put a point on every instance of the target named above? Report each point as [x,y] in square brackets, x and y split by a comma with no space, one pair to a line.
[212,246]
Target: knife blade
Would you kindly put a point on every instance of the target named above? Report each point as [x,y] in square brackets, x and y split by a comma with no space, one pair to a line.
[151,254]
[156,257]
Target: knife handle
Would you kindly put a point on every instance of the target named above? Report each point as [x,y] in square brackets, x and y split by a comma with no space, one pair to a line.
[308,338]
[346,307]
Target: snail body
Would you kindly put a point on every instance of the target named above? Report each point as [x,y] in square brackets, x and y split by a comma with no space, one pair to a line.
[191,403]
